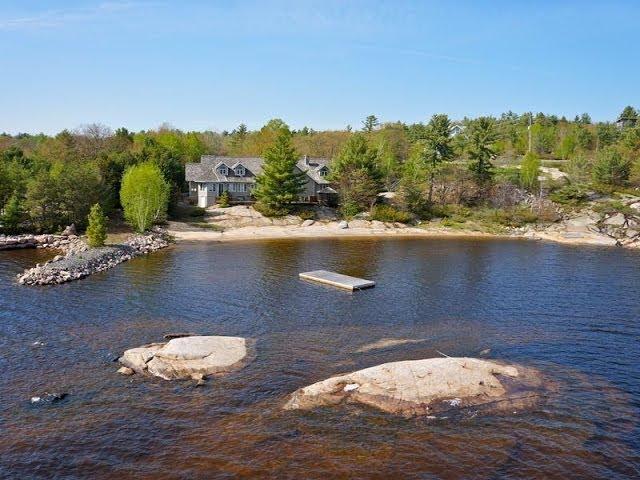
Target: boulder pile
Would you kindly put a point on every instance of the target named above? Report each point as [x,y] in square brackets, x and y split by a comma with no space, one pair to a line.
[62,242]
[80,261]
[426,387]
[193,357]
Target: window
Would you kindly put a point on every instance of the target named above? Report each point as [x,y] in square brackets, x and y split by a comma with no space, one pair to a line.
[223,170]
[240,171]
[324,172]
[232,187]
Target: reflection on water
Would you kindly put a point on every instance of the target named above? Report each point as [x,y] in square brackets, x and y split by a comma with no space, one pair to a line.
[571,312]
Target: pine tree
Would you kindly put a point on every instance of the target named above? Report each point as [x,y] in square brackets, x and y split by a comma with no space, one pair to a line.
[279,184]
[481,137]
[97,229]
[437,146]
[13,215]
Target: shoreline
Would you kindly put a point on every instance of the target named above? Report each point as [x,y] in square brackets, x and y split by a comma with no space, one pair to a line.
[332,231]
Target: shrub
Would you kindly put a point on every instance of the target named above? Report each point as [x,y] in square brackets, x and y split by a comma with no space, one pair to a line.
[387,213]
[349,210]
[306,214]
[611,168]
[97,229]
[144,195]
[509,217]
[529,171]
[223,200]
[269,211]
[570,195]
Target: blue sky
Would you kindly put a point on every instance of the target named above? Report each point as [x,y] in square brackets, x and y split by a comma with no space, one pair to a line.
[325,64]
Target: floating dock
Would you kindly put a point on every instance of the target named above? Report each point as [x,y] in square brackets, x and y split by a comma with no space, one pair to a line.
[337,280]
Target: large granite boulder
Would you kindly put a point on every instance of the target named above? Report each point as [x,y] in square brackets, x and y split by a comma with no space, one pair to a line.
[189,357]
[425,387]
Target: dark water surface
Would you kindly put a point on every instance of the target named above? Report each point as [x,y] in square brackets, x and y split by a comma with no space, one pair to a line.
[571,312]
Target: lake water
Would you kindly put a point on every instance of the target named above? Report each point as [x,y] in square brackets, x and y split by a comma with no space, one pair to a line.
[571,312]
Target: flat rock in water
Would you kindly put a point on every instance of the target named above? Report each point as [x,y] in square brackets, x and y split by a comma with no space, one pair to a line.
[387,343]
[424,387]
[186,357]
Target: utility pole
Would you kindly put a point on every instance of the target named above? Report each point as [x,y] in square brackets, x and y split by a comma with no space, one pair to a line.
[529,129]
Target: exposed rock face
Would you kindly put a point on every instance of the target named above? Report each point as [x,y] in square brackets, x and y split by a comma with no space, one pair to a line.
[80,261]
[419,387]
[189,357]
[70,230]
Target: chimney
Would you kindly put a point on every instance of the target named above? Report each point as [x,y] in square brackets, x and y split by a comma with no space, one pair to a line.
[306,159]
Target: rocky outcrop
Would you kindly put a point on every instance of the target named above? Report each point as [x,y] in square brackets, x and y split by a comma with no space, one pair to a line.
[80,261]
[426,387]
[189,357]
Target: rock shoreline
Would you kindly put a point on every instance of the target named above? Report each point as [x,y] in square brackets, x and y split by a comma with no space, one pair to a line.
[15,242]
[80,261]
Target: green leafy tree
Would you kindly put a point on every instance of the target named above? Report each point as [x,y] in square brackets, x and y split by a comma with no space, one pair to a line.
[280,182]
[611,168]
[144,195]
[370,124]
[388,164]
[97,227]
[355,171]
[62,195]
[13,215]
[481,135]
[413,185]
[529,171]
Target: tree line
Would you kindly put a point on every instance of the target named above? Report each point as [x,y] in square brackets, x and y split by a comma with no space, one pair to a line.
[47,182]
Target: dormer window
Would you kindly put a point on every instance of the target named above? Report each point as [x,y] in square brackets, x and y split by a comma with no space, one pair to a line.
[324,172]
[240,171]
[223,169]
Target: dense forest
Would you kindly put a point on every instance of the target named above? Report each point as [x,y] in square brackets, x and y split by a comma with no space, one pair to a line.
[47,182]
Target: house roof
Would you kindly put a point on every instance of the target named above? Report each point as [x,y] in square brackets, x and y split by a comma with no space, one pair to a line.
[208,169]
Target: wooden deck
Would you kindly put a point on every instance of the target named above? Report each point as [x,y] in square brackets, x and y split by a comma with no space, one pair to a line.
[337,280]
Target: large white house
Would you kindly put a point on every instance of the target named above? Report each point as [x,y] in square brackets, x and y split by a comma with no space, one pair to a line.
[237,175]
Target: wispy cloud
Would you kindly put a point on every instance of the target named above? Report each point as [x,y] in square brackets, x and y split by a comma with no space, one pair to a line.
[60,18]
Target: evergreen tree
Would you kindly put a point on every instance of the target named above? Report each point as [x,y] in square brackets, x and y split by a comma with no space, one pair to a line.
[13,215]
[437,146]
[611,168]
[97,228]
[481,135]
[370,123]
[355,170]
[279,184]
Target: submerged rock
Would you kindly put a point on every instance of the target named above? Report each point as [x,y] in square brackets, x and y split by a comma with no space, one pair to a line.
[49,398]
[387,343]
[423,387]
[189,357]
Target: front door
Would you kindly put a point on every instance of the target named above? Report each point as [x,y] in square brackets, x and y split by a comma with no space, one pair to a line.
[219,189]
